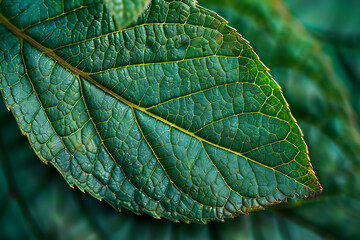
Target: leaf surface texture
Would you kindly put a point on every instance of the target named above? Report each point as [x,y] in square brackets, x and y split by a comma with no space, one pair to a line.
[174,116]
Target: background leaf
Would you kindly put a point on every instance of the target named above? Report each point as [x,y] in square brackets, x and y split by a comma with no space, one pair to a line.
[126,11]
[329,131]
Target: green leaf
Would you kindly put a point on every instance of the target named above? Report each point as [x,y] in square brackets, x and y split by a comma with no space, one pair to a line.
[175,116]
[126,11]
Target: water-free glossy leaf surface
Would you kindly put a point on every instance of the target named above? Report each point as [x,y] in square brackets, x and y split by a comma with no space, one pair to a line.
[174,116]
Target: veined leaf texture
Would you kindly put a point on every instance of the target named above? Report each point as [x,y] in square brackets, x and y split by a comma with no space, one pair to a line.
[174,115]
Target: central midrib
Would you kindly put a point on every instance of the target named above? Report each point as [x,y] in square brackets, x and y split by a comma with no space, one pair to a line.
[50,53]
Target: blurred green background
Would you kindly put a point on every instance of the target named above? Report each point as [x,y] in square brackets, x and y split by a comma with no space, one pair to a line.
[313,50]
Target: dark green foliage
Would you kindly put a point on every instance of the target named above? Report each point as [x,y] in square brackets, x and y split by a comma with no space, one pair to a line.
[325,115]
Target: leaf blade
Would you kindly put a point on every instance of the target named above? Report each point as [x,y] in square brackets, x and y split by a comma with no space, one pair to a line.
[93,157]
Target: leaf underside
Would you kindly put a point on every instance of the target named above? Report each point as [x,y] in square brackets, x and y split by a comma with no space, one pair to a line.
[174,116]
